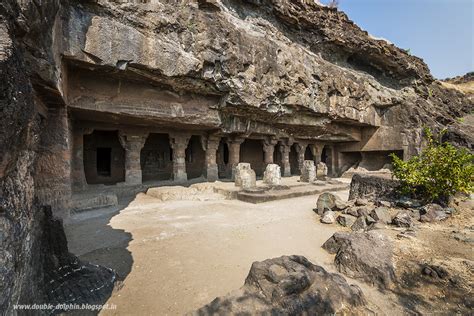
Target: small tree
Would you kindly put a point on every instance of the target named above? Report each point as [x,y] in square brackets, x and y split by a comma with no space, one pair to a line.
[438,172]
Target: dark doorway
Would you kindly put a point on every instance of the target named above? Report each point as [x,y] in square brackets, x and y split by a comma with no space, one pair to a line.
[308,155]
[294,165]
[104,158]
[251,151]
[195,158]
[222,158]
[156,158]
[104,161]
[326,157]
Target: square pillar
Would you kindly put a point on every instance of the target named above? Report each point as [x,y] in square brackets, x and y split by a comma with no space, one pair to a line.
[285,148]
[78,175]
[234,155]
[300,149]
[133,144]
[211,145]
[179,143]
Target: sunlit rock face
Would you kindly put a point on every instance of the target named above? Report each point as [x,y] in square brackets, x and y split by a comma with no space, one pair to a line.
[174,90]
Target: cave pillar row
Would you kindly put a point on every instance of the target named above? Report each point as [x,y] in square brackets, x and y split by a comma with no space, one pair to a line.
[300,150]
[78,175]
[285,148]
[210,145]
[268,149]
[234,155]
[179,143]
[133,144]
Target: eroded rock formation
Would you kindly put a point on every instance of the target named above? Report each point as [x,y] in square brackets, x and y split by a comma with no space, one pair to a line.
[289,285]
[103,92]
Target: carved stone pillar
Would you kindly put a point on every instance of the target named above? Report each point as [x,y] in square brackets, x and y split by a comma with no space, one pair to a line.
[210,146]
[316,150]
[133,144]
[300,149]
[285,148]
[234,155]
[178,143]
[268,149]
[78,175]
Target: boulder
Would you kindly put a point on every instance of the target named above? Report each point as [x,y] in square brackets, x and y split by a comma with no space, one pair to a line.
[374,186]
[366,256]
[352,211]
[289,285]
[326,201]
[272,175]
[360,224]
[402,219]
[361,202]
[308,172]
[321,171]
[432,213]
[363,211]
[340,204]
[407,202]
[328,217]
[382,214]
[244,176]
[346,220]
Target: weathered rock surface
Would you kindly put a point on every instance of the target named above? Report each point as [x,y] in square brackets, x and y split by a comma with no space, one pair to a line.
[321,171]
[289,285]
[363,186]
[432,213]
[244,176]
[308,172]
[328,217]
[326,202]
[346,220]
[382,214]
[272,175]
[226,65]
[403,219]
[366,256]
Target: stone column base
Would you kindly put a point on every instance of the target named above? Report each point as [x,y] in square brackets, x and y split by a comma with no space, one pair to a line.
[212,173]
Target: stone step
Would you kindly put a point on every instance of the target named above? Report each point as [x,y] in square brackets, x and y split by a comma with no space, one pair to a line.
[273,195]
[90,201]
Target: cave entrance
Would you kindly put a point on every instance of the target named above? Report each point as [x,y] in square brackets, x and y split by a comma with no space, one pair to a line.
[326,157]
[294,166]
[251,151]
[156,158]
[222,158]
[104,158]
[104,161]
[308,155]
[195,158]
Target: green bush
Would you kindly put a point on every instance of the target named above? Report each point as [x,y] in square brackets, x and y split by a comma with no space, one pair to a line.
[438,172]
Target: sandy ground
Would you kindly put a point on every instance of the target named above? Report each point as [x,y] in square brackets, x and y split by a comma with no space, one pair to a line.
[176,256]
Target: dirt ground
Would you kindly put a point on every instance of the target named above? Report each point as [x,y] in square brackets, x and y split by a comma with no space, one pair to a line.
[176,256]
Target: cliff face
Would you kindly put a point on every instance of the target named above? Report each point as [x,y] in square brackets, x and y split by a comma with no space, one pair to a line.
[294,67]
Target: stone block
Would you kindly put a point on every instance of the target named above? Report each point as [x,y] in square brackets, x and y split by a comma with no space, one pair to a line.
[308,172]
[244,176]
[321,171]
[272,175]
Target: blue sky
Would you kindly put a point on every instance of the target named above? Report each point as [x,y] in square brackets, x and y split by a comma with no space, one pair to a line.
[439,31]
